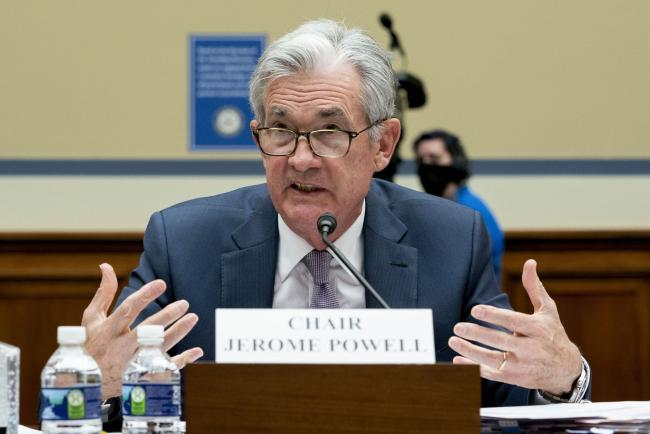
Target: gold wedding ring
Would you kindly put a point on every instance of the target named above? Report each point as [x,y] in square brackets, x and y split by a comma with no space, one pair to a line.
[504,354]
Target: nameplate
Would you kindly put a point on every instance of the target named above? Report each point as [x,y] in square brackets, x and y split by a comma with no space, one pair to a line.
[325,336]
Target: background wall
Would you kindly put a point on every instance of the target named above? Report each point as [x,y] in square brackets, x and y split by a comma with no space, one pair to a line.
[528,84]
[517,79]
[97,204]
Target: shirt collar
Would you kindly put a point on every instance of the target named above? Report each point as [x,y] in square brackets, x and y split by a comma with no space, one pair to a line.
[292,248]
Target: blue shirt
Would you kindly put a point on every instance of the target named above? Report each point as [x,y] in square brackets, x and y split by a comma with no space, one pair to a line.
[465,197]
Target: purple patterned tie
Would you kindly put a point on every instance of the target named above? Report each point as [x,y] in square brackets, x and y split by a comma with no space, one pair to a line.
[324,294]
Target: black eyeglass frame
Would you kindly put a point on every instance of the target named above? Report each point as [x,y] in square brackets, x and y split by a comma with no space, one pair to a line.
[306,135]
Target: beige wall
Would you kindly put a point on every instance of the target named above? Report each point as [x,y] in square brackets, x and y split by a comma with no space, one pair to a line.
[517,78]
[61,203]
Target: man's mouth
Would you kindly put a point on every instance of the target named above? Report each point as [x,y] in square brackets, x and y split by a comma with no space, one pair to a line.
[306,188]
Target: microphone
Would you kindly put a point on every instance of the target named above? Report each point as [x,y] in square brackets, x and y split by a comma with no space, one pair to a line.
[326,224]
[387,22]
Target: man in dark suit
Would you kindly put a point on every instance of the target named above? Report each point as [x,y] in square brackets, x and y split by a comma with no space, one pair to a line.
[323,98]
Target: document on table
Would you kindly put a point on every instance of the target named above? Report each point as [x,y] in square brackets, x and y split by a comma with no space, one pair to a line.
[26,430]
[611,411]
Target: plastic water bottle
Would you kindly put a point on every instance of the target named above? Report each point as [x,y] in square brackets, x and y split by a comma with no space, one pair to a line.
[151,390]
[9,388]
[71,387]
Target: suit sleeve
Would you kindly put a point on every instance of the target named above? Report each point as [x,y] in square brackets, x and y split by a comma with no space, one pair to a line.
[482,288]
[154,264]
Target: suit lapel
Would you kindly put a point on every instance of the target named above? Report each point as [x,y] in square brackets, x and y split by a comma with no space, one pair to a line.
[390,267]
[248,274]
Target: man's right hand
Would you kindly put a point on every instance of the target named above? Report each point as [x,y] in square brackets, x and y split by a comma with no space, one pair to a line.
[112,342]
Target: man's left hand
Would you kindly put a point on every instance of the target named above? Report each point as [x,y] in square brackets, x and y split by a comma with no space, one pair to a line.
[533,352]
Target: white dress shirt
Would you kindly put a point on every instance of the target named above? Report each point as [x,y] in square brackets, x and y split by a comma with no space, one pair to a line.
[294,283]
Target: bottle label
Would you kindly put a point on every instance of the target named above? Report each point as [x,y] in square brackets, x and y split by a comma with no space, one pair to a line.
[71,403]
[150,399]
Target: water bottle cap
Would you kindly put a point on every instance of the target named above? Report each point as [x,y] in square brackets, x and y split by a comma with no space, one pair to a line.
[71,334]
[151,332]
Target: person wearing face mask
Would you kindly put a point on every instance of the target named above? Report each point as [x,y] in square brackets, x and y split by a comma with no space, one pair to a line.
[443,169]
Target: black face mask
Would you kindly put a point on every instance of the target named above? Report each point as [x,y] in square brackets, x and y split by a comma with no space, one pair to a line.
[435,178]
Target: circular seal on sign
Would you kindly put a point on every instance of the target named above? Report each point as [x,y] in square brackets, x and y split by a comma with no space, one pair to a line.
[228,121]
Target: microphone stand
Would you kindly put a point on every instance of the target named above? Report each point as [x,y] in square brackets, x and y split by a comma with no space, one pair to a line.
[325,227]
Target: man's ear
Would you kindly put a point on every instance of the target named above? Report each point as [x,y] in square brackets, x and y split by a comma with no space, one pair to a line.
[390,132]
[254,124]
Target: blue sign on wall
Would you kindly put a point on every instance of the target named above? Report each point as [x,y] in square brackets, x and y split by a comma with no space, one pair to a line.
[220,71]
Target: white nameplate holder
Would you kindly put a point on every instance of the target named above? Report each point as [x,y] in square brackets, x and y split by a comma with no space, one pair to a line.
[324,336]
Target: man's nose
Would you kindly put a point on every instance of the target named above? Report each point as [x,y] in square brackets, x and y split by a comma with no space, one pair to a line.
[303,158]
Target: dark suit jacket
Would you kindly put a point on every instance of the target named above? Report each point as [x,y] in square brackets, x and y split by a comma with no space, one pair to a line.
[420,251]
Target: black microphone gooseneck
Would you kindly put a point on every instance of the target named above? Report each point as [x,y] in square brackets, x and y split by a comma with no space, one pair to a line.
[387,22]
[326,225]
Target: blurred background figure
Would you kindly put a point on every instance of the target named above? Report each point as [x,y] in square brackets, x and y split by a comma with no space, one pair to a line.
[443,169]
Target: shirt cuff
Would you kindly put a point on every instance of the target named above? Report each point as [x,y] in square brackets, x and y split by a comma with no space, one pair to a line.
[577,393]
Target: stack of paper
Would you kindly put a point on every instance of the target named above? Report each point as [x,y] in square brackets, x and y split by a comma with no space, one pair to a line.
[597,417]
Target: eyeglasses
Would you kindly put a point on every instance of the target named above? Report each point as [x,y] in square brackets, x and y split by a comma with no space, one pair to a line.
[327,143]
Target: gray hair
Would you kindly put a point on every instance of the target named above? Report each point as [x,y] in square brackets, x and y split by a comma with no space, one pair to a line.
[305,48]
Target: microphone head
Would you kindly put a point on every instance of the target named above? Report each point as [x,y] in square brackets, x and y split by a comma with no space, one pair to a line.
[326,223]
[386,21]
